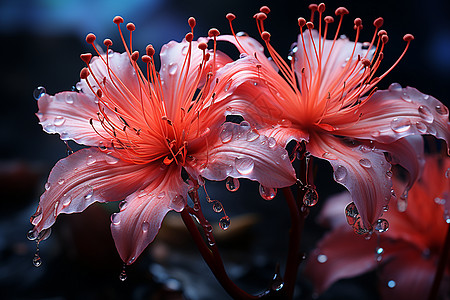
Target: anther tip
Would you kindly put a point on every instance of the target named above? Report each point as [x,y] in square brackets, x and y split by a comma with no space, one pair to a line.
[84,73]
[202,46]
[146,59]
[107,42]
[265,36]
[313,7]
[86,57]
[301,22]
[340,11]
[90,38]
[365,62]
[261,16]
[213,32]
[321,7]
[99,93]
[131,27]
[150,50]
[189,37]
[384,38]
[265,9]
[118,20]
[192,22]
[230,17]
[328,19]
[310,25]
[378,22]
[357,22]
[135,55]
[408,37]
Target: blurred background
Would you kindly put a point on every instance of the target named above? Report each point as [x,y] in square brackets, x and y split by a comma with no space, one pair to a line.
[41,43]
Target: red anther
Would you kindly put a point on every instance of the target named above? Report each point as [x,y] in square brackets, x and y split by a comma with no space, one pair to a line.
[378,22]
[131,27]
[207,56]
[202,46]
[265,9]
[321,7]
[357,22]
[310,25]
[365,62]
[86,57]
[328,19]
[99,93]
[313,7]
[146,59]
[261,16]
[150,50]
[90,38]
[118,20]
[382,32]
[230,17]
[213,32]
[189,37]
[107,42]
[408,37]
[301,22]
[135,55]
[265,36]
[84,73]
[381,55]
[192,22]
[384,38]
[341,11]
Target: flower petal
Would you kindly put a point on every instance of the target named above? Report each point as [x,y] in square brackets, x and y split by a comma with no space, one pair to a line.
[85,177]
[364,172]
[239,151]
[139,220]
[73,116]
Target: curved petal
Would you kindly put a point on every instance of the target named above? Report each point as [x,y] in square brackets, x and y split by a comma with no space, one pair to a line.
[389,115]
[73,116]
[85,177]
[363,171]
[239,151]
[140,217]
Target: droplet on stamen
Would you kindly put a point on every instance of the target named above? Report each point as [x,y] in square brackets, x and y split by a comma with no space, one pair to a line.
[232,184]
[224,222]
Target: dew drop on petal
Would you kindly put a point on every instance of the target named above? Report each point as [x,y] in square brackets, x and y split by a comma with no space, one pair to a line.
[122,205]
[173,68]
[395,87]
[402,203]
[364,148]
[47,186]
[322,258]
[59,121]
[382,225]
[351,213]
[217,206]
[39,92]
[252,135]
[328,155]
[267,193]
[226,134]
[441,109]
[61,181]
[425,113]
[37,262]
[400,124]
[90,160]
[311,197]
[89,194]
[271,142]
[66,200]
[405,96]
[111,160]
[69,98]
[145,226]
[232,184]
[340,174]
[244,165]
[391,284]
[421,127]
[364,162]
[224,222]
[115,219]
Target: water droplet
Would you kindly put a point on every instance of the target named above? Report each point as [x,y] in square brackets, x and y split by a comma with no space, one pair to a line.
[285,123]
[364,162]
[66,200]
[244,165]
[142,193]
[123,275]
[90,160]
[227,86]
[242,55]
[271,142]
[421,127]
[441,109]
[252,135]
[440,201]
[310,198]
[227,133]
[122,205]
[32,235]
[37,216]
[395,87]
[232,184]
[61,181]
[322,258]
[267,193]
[115,219]
[382,225]
[328,155]
[340,174]
[425,113]
[111,160]
[201,181]
[39,92]
[145,226]
[391,284]
[402,202]
[47,186]
[447,216]
[224,222]
[59,121]
[161,195]
[37,262]
[217,206]
[389,174]
[69,97]
[447,173]
[173,68]
[44,234]
[359,228]
[89,194]
[405,96]
[351,213]
[400,124]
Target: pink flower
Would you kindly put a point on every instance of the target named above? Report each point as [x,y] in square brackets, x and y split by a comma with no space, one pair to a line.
[142,128]
[326,97]
[406,255]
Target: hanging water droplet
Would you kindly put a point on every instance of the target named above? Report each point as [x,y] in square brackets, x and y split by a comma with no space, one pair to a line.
[311,197]
[364,162]
[37,216]
[217,206]
[267,193]
[123,275]
[232,184]
[37,262]
[340,174]
[400,124]
[351,213]
[32,235]
[115,219]
[227,133]
[89,194]
[39,92]
[359,228]
[90,160]
[122,205]
[47,186]
[421,127]
[379,253]
[244,165]
[425,113]
[441,109]
[322,258]
[173,68]
[391,284]
[224,222]
[402,202]
[145,226]
[382,225]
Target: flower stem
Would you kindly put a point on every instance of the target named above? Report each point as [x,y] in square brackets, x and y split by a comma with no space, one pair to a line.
[442,263]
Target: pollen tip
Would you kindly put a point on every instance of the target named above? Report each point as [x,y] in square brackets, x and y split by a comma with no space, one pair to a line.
[86,57]
[328,19]
[265,36]
[382,32]
[310,25]
[107,42]
[357,22]
[408,37]
[313,7]
[265,9]
[135,55]
[189,37]
[301,22]
[261,16]
[230,17]
[202,46]
[118,20]
[192,22]
[90,38]
[365,62]
[146,59]
[150,50]
[131,27]
[321,7]
[84,73]
[378,22]
[213,32]
[340,11]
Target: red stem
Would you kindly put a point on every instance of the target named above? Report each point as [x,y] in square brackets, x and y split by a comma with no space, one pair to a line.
[441,267]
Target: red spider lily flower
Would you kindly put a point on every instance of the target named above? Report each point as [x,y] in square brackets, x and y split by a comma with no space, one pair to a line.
[406,256]
[143,128]
[326,96]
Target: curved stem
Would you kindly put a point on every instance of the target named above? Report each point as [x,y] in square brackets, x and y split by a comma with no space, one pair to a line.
[440,267]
